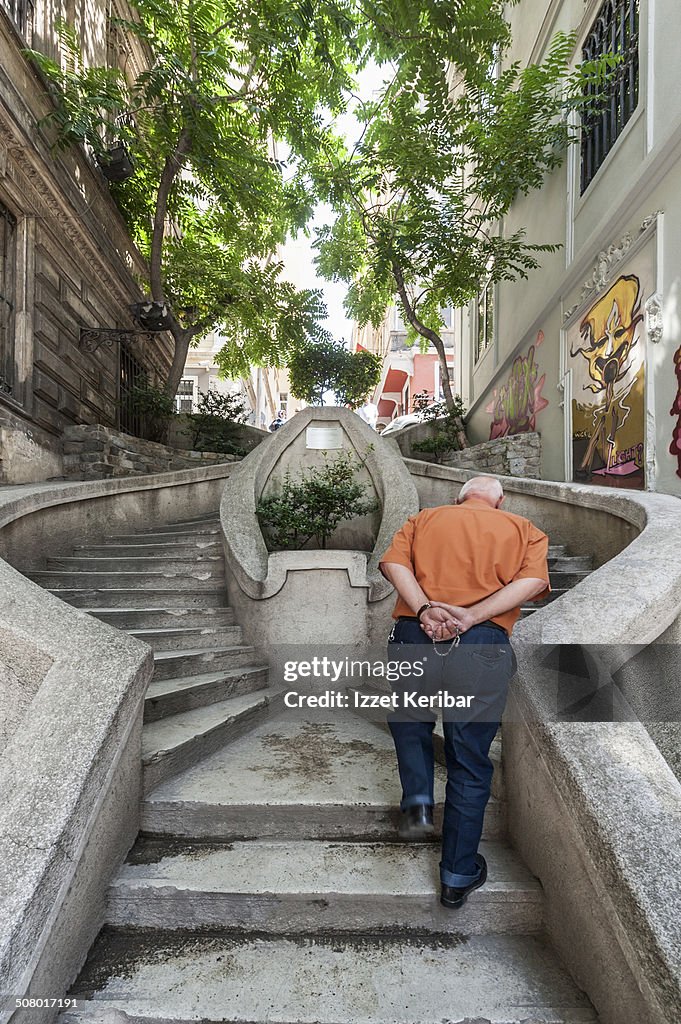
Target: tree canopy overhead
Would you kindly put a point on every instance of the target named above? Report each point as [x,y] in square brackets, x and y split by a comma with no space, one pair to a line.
[235,101]
[231,131]
[444,149]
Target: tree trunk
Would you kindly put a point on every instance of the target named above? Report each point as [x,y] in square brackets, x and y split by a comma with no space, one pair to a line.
[436,341]
[182,339]
[172,167]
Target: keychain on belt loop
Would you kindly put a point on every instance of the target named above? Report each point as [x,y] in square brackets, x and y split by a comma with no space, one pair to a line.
[454,643]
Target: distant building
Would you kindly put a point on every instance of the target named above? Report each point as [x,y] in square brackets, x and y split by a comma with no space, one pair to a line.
[265,392]
[407,371]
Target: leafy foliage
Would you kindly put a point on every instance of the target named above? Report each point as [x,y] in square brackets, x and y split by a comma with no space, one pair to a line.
[313,506]
[444,150]
[153,405]
[229,87]
[214,426]
[327,366]
[446,426]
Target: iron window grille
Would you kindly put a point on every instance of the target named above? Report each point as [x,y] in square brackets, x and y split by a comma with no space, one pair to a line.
[21,12]
[132,374]
[609,107]
[186,387]
[185,405]
[8,226]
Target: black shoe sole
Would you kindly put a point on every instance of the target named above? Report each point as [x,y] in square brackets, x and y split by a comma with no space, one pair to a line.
[455,904]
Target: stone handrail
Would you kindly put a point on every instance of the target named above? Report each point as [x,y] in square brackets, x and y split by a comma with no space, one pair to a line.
[70,769]
[593,808]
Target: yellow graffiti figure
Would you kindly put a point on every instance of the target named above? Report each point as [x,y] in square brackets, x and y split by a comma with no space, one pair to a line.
[609,334]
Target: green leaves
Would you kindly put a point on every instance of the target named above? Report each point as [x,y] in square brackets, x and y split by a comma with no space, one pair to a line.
[315,369]
[315,504]
[444,151]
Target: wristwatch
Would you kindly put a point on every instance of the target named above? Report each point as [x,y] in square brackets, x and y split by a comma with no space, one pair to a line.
[422,609]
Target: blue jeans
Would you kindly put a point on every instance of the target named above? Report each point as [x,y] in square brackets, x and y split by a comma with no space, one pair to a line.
[484,669]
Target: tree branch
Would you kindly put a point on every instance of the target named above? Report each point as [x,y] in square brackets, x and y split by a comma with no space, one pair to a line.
[173,165]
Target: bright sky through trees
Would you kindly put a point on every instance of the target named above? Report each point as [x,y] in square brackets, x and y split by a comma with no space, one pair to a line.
[298,254]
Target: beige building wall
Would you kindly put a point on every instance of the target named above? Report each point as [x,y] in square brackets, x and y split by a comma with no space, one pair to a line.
[625,224]
[265,392]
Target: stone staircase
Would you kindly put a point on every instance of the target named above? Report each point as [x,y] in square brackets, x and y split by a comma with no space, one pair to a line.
[268,883]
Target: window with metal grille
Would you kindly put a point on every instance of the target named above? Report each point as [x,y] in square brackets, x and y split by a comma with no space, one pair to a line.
[185,405]
[610,107]
[132,374]
[485,318]
[186,386]
[8,227]
[21,12]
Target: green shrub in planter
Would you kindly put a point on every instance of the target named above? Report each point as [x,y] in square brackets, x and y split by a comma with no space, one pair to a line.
[312,506]
[448,431]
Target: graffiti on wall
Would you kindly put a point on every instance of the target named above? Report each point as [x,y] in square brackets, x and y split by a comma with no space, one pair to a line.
[516,404]
[607,358]
[675,446]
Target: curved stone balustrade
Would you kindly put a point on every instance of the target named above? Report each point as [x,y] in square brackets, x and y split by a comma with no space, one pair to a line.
[280,596]
[593,807]
[72,691]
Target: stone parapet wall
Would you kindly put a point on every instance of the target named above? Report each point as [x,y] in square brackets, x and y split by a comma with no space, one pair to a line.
[97,452]
[515,455]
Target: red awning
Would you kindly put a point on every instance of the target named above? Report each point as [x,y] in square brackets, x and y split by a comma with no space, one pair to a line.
[395,380]
[386,407]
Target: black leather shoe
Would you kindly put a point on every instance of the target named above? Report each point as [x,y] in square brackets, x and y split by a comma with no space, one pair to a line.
[416,822]
[453,897]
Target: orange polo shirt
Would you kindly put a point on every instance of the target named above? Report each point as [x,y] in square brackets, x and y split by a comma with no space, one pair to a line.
[461,554]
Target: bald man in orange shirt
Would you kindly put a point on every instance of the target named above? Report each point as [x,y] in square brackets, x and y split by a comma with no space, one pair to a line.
[461,573]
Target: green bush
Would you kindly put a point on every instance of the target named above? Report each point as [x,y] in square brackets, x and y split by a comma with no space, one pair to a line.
[315,504]
[448,432]
[315,369]
[214,426]
[154,407]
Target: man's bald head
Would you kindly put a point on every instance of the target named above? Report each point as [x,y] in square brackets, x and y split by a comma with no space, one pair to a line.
[484,488]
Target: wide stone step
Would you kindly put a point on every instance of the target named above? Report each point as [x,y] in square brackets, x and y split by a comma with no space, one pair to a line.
[172,664]
[502,979]
[194,579]
[566,580]
[571,563]
[315,887]
[144,564]
[209,517]
[555,593]
[159,618]
[172,696]
[188,533]
[177,549]
[557,549]
[295,776]
[128,598]
[182,638]
[173,744]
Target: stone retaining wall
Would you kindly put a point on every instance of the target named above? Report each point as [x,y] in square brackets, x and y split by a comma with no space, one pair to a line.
[515,455]
[94,452]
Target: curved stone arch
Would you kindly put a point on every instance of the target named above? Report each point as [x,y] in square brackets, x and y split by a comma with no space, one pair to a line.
[261,574]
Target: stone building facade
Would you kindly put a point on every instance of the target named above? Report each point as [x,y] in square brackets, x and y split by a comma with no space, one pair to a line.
[68,262]
[587,351]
